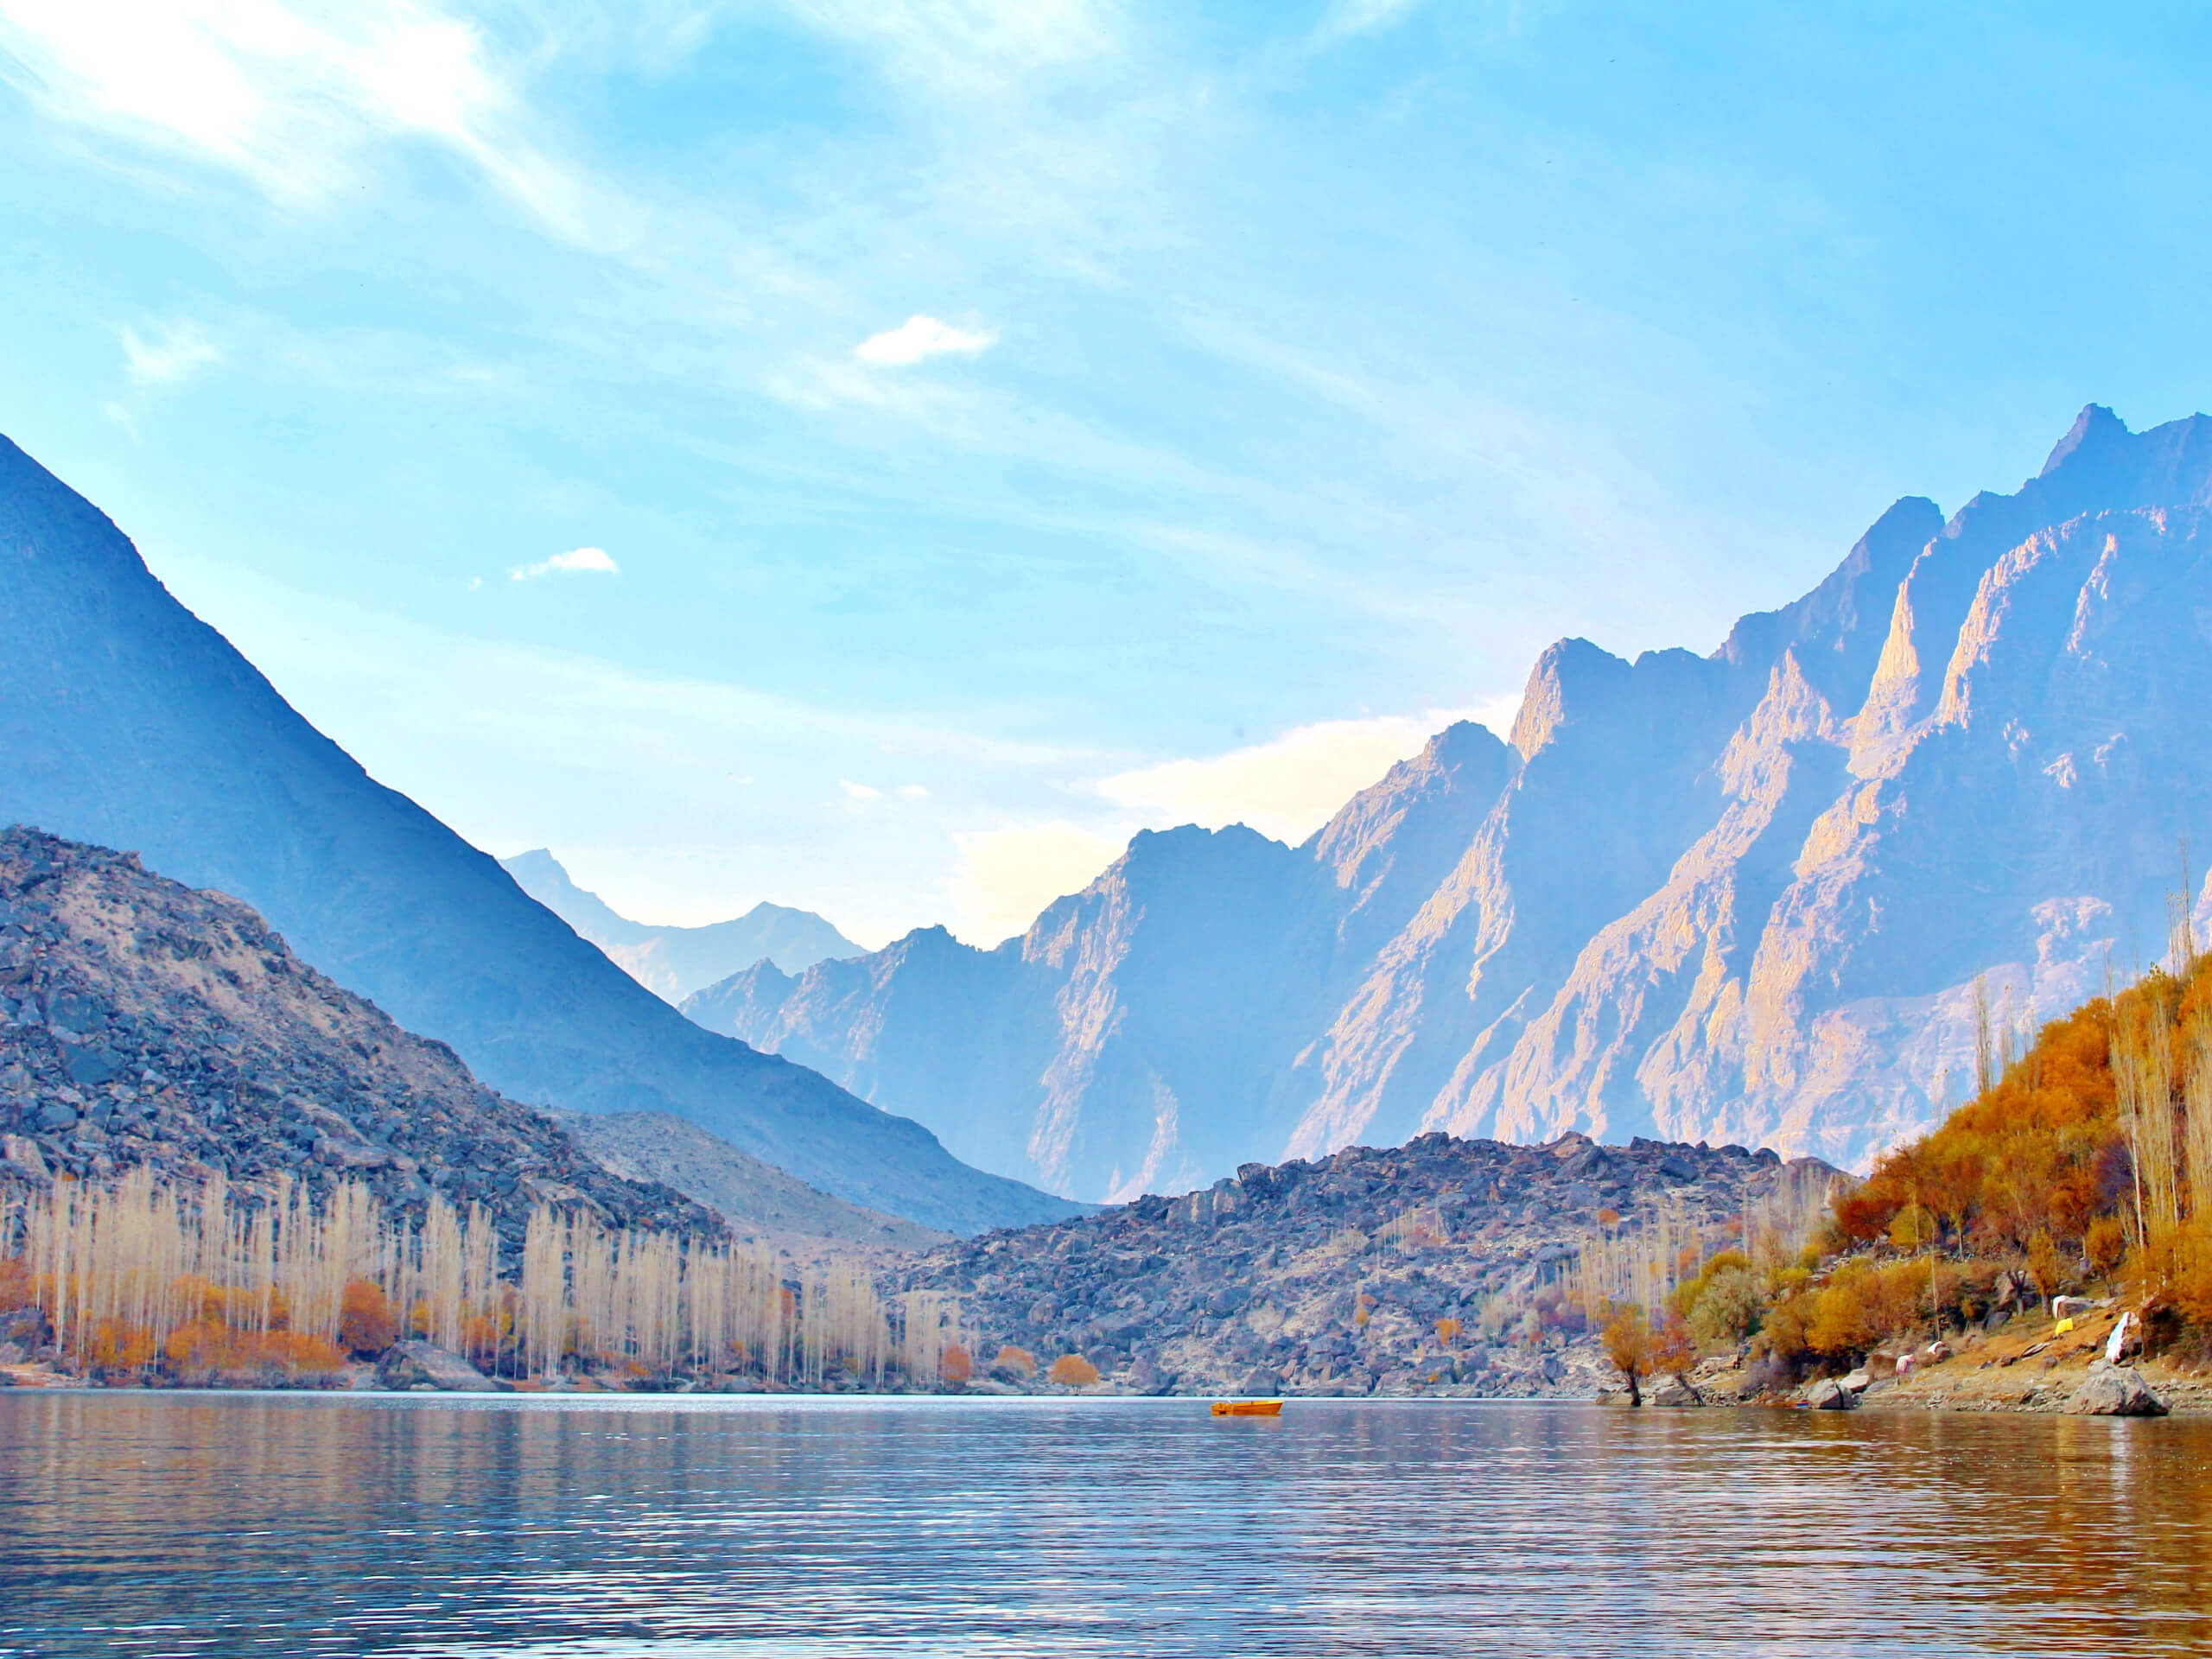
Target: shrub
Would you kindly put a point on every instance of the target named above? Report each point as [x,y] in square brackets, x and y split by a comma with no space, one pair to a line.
[1727,1308]
[954,1364]
[1019,1361]
[2105,1244]
[1073,1371]
[117,1345]
[18,1288]
[366,1325]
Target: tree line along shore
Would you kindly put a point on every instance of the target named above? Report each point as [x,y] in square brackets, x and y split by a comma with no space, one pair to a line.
[1986,1265]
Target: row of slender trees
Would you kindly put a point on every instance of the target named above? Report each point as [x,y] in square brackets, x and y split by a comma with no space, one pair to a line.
[207,1280]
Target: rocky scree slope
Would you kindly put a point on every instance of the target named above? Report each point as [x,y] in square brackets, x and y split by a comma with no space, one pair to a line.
[673,961]
[758,1200]
[128,722]
[144,1024]
[1256,1284]
[1739,897]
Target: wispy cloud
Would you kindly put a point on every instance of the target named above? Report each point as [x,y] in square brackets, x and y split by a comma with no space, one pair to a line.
[168,353]
[1008,875]
[1287,788]
[594,560]
[288,94]
[918,338]
[858,791]
[963,48]
[1346,18]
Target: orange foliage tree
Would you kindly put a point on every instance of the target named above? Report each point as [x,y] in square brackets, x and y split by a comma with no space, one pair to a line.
[1627,1339]
[366,1325]
[1074,1371]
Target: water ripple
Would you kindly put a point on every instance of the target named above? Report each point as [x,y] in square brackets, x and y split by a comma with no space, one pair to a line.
[679,1529]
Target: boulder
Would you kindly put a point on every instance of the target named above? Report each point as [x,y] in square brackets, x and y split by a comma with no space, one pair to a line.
[1829,1395]
[2069,1307]
[2113,1390]
[1610,1396]
[1672,1391]
[24,1331]
[1860,1381]
[426,1365]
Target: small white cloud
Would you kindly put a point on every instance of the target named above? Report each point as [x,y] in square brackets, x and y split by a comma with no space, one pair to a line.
[595,560]
[913,791]
[1008,875]
[858,791]
[1287,788]
[918,338]
[171,353]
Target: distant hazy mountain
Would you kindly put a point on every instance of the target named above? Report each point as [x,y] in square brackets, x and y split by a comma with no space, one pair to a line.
[126,721]
[1744,897]
[674,961]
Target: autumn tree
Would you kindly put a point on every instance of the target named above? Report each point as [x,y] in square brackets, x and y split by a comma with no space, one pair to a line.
[366,1325]
[1627,1339]
[1073,1371]
[1673,1350]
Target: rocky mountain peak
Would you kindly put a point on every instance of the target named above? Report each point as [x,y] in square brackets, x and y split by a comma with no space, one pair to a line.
[1743,898]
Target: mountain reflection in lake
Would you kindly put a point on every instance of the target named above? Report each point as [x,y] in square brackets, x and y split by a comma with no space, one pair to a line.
[294,1524]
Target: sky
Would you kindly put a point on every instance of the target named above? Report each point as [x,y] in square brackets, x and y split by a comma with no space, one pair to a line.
[876,455]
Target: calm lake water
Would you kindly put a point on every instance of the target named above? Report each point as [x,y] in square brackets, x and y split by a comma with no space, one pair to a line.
[676,1528]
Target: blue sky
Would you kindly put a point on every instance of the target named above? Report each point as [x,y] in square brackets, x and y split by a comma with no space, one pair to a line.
[936,440]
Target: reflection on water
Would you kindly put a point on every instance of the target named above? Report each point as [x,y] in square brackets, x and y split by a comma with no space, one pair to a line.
[150,1524]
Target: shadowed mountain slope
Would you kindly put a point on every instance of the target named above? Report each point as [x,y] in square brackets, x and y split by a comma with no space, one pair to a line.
[673,961]
[126,721]
[1745,897]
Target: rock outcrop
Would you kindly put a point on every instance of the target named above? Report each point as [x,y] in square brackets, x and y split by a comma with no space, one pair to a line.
[2113,1390]
[127,722]
[1744,897]
[144,1024]
[416,1365]
[1441,1266]
[673,961]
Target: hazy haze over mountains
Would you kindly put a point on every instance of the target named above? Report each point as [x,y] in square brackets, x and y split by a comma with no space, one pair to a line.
[674,961]
[127,722]
[1742,897]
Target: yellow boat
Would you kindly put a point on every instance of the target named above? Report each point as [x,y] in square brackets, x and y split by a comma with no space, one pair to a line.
[1247,1407]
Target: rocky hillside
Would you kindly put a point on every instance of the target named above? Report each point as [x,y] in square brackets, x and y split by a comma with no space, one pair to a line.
[1740,897]
[127,722]
[673,961]
[142,1023]
[758,1200]
[1336,1276]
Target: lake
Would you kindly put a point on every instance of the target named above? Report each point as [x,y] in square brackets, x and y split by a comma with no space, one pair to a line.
[676,1528]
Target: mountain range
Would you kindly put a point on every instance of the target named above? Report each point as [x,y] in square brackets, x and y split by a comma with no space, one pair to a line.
[1784,895]
[127,722]
[673,961]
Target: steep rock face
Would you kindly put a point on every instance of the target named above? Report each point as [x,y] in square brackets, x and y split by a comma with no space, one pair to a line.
[673,961]
[1746,897]
[126,721]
